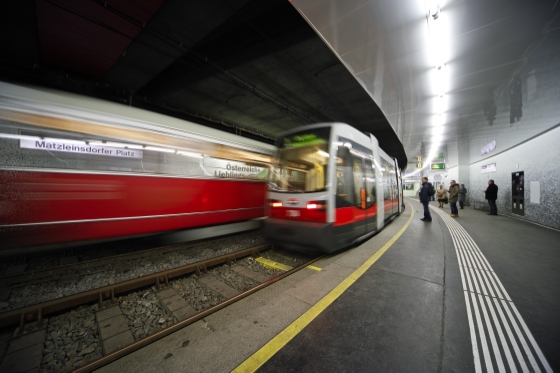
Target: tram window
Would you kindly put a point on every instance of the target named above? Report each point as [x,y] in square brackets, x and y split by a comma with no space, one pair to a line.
[301,169]
[386,168]
[13,154]
[301,164]
[344,179]
[370,182]
[358,180]
[67,150]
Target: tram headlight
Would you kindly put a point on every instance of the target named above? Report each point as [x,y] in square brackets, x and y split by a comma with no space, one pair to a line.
[275,203]
[317,205]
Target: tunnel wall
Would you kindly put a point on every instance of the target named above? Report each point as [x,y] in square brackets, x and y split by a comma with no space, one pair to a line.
[539,158]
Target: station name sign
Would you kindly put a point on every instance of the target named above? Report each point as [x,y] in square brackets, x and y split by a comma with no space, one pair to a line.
[233,170]
[74,147]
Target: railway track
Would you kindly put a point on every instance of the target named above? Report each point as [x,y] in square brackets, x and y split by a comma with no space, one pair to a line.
[87,330]
[19,290]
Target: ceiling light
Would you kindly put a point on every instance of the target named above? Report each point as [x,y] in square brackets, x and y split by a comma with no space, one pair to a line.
[434,9]
[440,80]
[440,107]
[438,33]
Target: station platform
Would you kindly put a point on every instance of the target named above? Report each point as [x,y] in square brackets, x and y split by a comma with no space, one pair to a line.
[476,293]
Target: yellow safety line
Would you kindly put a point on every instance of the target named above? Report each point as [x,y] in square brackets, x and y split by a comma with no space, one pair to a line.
[275,344]
[314,268]
[272,264]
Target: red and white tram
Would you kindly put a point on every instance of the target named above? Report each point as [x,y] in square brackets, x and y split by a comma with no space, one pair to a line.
[78,169]
[331,186]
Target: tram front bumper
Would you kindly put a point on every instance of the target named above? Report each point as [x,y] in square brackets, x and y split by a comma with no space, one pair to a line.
[303,235]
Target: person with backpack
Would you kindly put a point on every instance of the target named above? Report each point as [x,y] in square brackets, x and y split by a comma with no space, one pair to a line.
[491,194]
[426,193]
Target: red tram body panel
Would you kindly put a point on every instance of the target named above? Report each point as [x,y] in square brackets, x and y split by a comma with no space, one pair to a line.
[52,207]
[350,215]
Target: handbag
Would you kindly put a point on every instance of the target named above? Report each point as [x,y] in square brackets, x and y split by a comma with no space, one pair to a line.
[446,200]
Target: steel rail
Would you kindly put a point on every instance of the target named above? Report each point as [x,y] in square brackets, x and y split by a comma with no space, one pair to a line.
[105,293]
[9,280]
[134,346]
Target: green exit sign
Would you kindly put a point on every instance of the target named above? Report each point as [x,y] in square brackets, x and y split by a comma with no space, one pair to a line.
[438,166]
[439,155]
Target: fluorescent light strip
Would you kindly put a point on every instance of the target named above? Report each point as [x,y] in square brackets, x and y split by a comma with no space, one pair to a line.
[19,137]
[440,80]
[156,149]
[188,154]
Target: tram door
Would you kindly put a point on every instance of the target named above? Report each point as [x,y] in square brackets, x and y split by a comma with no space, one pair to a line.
[388,191]
[360,196]
[356,189]
[370,195]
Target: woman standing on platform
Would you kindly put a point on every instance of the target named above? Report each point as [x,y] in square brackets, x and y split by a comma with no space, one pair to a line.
[441,195]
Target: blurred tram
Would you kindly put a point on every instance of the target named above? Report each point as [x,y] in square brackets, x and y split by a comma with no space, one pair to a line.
[331,186]
[78,169]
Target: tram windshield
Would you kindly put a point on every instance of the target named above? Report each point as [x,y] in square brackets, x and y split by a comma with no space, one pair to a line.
[301,163]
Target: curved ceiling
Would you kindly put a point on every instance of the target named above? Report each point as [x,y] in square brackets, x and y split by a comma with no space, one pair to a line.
[438,69]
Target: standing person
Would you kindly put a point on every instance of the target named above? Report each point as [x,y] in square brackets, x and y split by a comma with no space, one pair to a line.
[441,195]
[491,194]
[462,196]
[425,195]
[453,197]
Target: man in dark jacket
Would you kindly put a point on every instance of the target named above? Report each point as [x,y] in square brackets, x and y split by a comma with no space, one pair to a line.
[462,196]
[491,194]
[453,197]
[425,199]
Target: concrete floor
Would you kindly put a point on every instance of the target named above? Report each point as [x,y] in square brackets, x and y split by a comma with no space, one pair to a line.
[406,313]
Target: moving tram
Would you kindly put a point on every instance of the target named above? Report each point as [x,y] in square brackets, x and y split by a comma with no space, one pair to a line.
[76,169]
[331,186]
